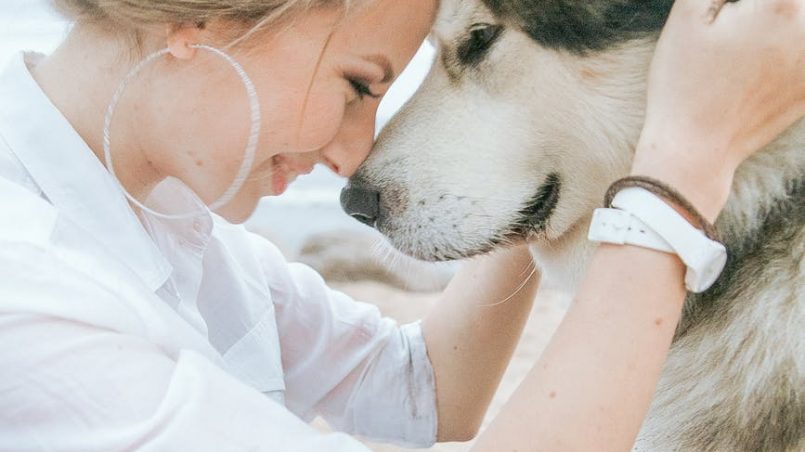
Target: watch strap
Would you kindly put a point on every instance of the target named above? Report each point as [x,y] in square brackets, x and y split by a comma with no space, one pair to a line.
[622,228]
[704,258]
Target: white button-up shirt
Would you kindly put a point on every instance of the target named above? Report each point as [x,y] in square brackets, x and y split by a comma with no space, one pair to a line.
[127,332]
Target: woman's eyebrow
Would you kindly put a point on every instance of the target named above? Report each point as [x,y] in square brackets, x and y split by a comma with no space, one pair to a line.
[383,62]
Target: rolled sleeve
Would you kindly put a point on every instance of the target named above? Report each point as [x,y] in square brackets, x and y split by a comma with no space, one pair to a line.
[398,383]
[361,372]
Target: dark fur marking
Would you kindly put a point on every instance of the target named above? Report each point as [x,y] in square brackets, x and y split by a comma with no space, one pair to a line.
[583,26]
[535,216]
[531,219]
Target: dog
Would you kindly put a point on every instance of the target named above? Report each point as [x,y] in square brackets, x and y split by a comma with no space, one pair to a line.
[531,110]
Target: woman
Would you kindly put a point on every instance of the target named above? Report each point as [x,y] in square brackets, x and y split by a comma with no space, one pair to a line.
[133,318]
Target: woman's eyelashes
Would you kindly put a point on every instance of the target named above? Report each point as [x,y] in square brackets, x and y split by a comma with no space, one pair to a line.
[362,89]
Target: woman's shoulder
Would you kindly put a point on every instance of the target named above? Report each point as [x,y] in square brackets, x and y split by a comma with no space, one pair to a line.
[44,274]
[37,280]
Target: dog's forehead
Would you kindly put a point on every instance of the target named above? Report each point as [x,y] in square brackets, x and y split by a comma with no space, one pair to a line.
[455,16]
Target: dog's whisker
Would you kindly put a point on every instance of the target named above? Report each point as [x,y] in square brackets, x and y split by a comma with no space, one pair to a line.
[517,290]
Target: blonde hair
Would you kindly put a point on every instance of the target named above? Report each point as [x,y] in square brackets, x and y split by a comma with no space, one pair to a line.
[135,15]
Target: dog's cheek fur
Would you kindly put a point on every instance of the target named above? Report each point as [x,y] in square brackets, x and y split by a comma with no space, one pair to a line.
[471,148]
[454,198]
[469,155]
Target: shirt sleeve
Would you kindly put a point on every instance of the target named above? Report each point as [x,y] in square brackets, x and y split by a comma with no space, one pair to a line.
[361,372]
[69,386]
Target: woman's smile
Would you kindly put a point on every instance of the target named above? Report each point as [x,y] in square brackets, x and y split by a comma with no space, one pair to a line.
[284,171]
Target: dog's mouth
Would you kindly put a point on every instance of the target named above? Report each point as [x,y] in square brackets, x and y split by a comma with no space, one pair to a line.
[534,217]
[529,222]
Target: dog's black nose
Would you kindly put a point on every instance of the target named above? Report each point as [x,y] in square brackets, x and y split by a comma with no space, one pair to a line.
[361,203]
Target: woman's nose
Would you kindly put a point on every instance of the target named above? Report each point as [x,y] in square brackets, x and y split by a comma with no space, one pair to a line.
[344,161]
[350,148]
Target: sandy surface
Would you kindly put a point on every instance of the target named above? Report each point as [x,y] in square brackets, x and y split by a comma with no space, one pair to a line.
[405,307]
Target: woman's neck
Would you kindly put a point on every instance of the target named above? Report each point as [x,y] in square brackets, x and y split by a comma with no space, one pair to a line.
[80,78]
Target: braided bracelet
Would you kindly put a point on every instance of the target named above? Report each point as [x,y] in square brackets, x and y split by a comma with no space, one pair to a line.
[667,192]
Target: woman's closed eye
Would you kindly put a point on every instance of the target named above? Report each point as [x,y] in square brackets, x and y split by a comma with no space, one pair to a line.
[362,89]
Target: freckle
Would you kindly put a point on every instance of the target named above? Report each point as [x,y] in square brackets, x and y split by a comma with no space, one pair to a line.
[552,394]
[658,322]
[199,163]
[455,347]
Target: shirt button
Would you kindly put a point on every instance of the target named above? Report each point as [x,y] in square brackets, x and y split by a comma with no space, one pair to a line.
[197,226]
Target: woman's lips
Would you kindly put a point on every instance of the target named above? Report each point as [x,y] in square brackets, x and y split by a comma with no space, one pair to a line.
[279,182]
[282,175]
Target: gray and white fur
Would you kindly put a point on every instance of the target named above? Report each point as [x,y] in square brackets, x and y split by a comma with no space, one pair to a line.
[531,110]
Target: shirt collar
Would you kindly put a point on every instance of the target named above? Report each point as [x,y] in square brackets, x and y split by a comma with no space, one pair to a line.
[71,176]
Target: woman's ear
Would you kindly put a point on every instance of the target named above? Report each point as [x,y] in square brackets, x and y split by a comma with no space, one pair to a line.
[181,38]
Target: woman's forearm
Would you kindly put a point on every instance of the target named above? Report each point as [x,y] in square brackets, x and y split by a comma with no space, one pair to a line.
[593,385]
[471,334]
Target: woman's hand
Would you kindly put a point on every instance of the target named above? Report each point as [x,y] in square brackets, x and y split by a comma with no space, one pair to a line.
[702,121]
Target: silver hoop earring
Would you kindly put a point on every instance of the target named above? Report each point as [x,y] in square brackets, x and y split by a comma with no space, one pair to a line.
[251,146]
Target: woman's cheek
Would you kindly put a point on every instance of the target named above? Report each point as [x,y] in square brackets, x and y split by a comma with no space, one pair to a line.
[321,122]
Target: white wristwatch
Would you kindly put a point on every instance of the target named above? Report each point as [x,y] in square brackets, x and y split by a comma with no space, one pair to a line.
[643,219]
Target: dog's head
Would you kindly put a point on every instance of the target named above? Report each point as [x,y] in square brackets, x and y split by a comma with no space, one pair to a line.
[531,109]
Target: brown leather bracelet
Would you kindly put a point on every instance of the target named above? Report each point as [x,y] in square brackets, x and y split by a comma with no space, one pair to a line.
[663,190]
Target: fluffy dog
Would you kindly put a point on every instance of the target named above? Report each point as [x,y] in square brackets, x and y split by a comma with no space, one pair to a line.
[531,110]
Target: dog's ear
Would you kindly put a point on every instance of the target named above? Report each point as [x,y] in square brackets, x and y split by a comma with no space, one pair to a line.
[583,26]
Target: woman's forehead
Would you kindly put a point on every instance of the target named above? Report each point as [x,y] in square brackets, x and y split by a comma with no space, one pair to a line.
[390,30]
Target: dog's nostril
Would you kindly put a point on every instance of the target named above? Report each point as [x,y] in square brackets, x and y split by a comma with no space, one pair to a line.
[361,204]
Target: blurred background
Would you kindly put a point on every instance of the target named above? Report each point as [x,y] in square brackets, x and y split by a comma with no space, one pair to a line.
[308,225]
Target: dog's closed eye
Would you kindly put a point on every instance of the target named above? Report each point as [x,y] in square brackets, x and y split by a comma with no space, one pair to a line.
[480,39]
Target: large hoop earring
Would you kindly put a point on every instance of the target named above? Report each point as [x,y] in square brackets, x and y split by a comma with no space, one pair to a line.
[251,146]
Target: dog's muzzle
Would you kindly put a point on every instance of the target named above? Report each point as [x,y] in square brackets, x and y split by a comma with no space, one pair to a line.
[362,204]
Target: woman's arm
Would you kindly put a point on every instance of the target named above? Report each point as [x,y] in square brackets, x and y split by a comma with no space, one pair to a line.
[593,384]
[471,334]
[744,84]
